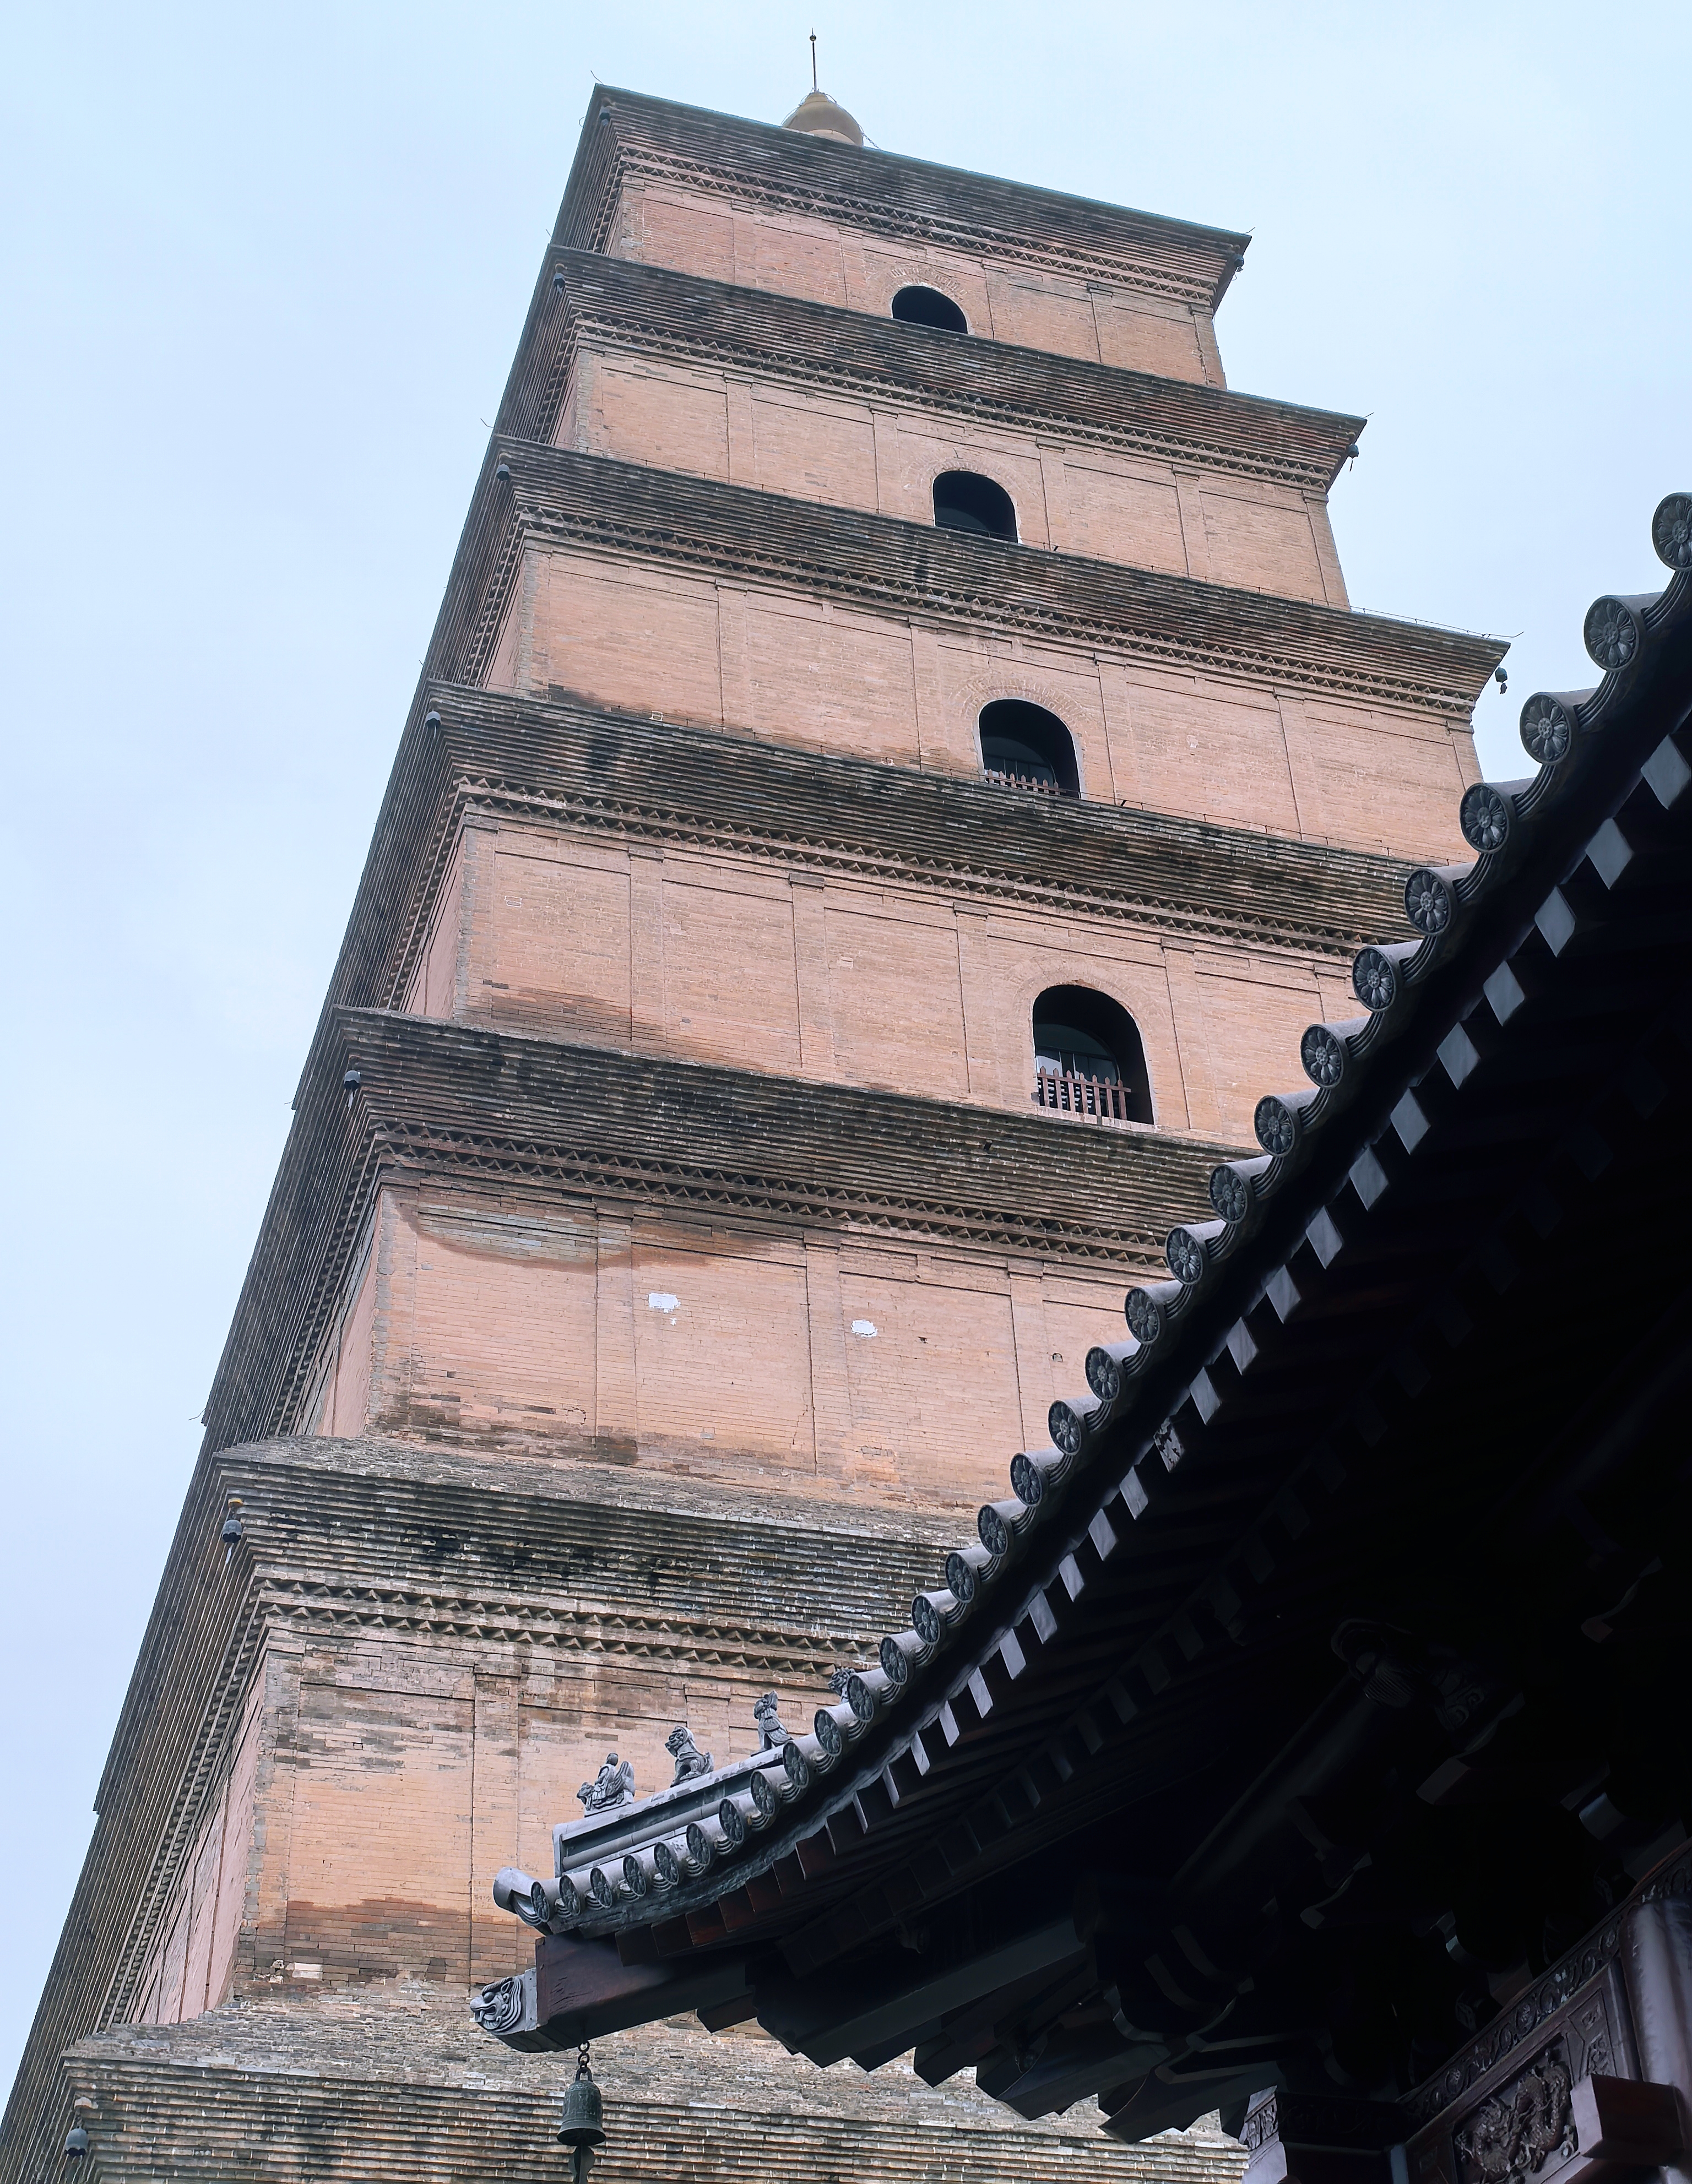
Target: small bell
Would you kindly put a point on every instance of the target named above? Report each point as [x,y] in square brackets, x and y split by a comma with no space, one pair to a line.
[581,2128]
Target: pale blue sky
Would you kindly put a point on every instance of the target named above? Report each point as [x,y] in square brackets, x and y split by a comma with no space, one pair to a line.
[264,271]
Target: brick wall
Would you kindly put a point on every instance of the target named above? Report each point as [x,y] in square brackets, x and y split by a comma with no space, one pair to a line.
[698,648]
[748,962]
[828,261]
[791,1362]
[1249,532]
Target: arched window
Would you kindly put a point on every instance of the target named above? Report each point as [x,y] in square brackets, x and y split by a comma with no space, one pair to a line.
[964,501]
[1088,1059]
[1023,746]
[916,306]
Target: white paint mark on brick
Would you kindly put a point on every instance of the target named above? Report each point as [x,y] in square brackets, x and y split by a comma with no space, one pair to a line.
[662,1300]
[866,1328]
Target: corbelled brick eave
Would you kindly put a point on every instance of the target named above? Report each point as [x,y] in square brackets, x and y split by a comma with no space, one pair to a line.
[549,763]
[477,1108]
[627,134]
[352,1536]
[881,564]
[649,311]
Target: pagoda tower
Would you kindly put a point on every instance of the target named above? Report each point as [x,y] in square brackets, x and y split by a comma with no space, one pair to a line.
[894,770]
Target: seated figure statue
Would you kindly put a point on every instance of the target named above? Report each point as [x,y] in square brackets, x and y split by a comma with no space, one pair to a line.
[613,1785]
[688,1758]
[766,1712]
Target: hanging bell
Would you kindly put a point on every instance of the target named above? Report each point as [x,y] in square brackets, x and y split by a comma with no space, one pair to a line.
[581,2128]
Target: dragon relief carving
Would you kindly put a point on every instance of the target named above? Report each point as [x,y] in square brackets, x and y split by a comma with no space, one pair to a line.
[1512,2136]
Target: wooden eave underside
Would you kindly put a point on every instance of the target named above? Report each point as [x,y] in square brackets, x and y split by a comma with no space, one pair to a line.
[369,1537]
[880,564]
[649,311]
[626,136]
[1377,1382]
[466,1107]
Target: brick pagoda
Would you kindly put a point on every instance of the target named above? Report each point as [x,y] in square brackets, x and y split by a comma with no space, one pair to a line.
[894,772]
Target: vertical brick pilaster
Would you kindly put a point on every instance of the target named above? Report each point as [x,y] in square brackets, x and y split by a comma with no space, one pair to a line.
[615,1410]
[1194,540]
[810,975]
[1033,1348]
[495,1763]
[1301,768]
[830,1387]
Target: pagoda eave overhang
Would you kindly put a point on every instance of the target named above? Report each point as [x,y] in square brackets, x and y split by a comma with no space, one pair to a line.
[626,134]
[626,778]
[395,1097]
[644,310]
[559,500]
[1306,1539]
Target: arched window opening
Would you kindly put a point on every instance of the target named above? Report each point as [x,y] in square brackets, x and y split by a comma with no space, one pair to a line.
[1023,746]
[964,501]
[1088,1058]
[916,306]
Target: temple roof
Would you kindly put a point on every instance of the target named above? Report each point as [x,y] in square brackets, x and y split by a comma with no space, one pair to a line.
[1344,1538]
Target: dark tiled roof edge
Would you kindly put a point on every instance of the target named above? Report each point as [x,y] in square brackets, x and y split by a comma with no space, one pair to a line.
[1564,732]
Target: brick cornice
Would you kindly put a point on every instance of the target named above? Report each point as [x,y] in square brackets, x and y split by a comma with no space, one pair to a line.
[617,778]
[626,135]
[381,1539]
[471,1108]
[648,311]
[881,565]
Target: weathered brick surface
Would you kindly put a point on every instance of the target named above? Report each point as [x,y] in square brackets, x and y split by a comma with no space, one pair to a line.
[742,202]
[587,303]
[680,1260]
[545,1131]
[390,2085]
[826,261]
[691,600]
[393,1686]
[791,1360]
[709,649]
[860,453]
[718,958]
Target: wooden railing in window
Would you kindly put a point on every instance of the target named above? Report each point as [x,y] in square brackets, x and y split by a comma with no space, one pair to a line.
[1021,781]
[1089,1096]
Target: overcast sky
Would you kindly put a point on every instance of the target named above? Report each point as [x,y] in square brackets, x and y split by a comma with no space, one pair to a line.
[264,268]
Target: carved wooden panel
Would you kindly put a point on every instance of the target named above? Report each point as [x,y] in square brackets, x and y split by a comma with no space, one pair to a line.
[1501,2113]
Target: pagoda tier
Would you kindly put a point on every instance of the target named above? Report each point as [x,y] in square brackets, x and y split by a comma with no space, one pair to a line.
[751,1080]
[659,367]
[653,312]
[769,208]
[1201,910]
[651,592]
[521,1164]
